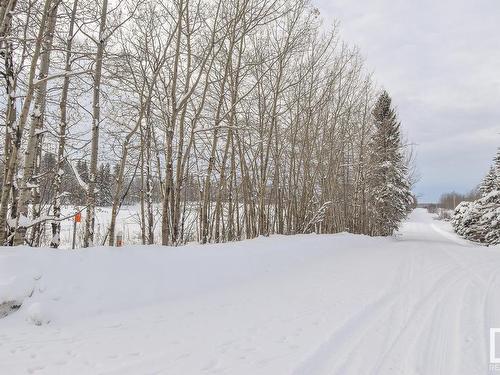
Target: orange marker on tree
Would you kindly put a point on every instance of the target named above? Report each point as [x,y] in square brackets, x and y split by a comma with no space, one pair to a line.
[78,218]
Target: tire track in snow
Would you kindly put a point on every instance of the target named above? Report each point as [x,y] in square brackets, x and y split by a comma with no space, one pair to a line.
[404,341]
[433,314]
[486,325]
[341,340]
[427,312]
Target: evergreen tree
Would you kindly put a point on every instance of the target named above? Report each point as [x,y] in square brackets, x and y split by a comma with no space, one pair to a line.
[479,220]
[47,172]
[496,166]
[459,217]
[70,189]
[489,181]
[104,185]
[490,204]
[388,186]
[489,222]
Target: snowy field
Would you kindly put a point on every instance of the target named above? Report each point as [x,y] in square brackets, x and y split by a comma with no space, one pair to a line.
[420,303]
[127,223]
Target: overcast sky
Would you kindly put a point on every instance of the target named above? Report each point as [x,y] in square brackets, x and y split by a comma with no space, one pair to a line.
[440,61]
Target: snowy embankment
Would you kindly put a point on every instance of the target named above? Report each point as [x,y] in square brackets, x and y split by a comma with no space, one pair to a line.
[420,303]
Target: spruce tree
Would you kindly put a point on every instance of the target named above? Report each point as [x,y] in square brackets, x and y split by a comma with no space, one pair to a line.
[490,204]
[459,217]
[496,167]
[479,221]
[104,184]
[388,186]
[488,183]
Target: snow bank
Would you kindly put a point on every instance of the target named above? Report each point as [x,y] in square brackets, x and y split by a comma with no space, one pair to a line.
[310,304]
[17,282]
[70,285]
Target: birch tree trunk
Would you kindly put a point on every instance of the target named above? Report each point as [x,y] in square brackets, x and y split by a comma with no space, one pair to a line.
[96,119]
[29,181]
[12,162]
[6,9]
[117,196]
[63,124]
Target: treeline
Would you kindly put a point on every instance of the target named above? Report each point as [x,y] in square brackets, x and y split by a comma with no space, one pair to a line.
[75,194]
[479,220]
[449,201]
[241,114]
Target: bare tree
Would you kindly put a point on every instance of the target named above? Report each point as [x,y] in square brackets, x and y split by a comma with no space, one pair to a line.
[63,124]
[11,162]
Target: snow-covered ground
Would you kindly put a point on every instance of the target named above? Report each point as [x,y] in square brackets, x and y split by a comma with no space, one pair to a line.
[420,303]
[127,223]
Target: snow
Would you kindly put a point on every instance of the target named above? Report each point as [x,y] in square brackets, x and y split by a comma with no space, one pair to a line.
[40,131]
[22,222]
[127,221]
[82,183]
[37,112]
[418,303]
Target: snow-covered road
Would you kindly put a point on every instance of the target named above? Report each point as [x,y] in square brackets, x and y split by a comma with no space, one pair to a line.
[420,303]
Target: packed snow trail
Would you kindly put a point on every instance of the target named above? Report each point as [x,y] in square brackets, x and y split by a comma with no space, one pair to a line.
[418,303]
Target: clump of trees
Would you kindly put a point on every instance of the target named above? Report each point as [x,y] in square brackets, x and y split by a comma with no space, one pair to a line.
[479,220]
[239,117]
[449,201]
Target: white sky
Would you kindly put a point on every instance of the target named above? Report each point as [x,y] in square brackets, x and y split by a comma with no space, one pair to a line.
[440,61]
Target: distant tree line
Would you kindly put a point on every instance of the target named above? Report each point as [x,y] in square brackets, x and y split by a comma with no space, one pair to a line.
[479,220]
[449,201]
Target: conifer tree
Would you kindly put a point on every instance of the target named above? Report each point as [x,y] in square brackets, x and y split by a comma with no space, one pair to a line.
[488,184]
[479,220]
[490,204]
[496,166]
[104,185]
[388,186]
